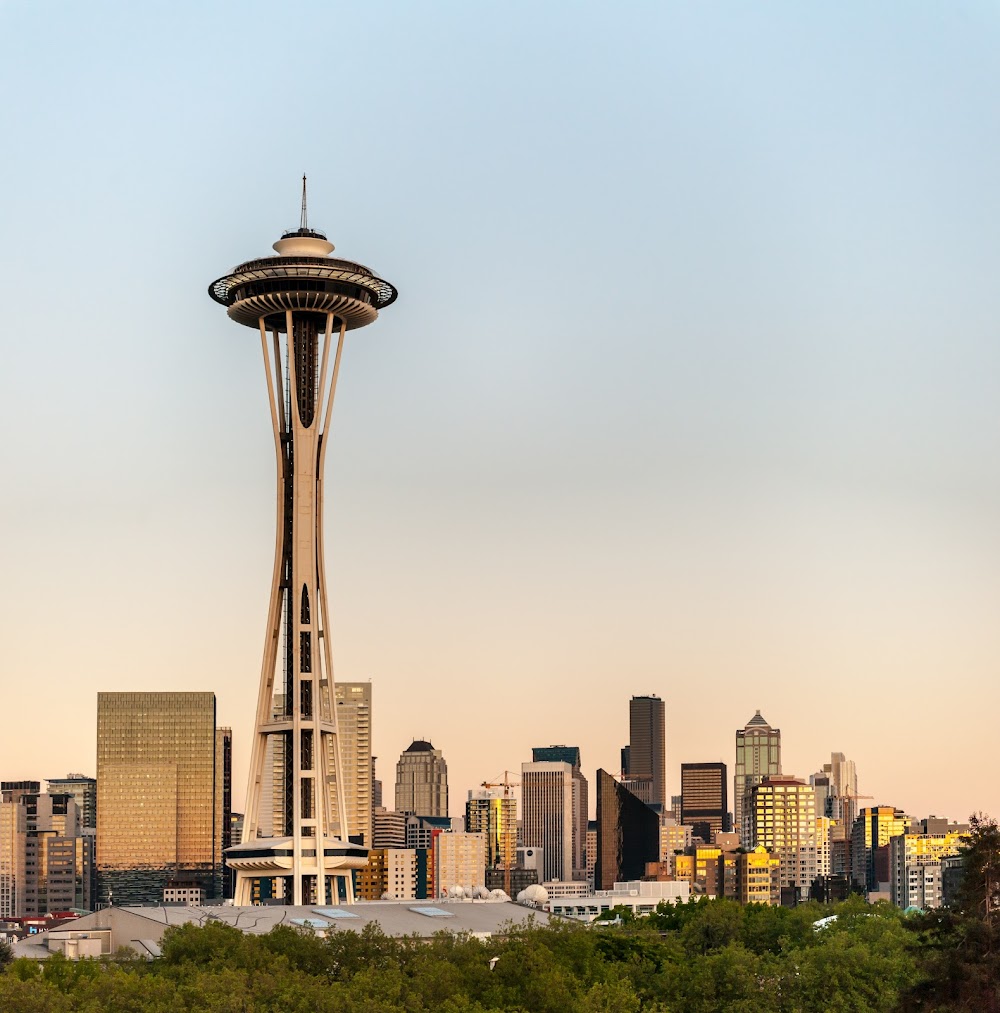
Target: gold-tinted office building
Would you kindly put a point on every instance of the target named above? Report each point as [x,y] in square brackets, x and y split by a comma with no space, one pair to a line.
[162,802]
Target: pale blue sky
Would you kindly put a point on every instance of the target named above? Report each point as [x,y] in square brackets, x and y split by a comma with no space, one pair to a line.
[690,388]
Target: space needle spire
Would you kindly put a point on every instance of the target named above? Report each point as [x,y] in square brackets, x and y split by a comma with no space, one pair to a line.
[302,302]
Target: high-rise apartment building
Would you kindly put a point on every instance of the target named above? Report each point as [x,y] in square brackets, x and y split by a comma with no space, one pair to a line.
[915,867]
[873,828]
[782,818]
[158,794]
[354,722]
[628,834]
[494,815]
[704,804]
[758,755]
[644,760]
[422,780]
[84,792]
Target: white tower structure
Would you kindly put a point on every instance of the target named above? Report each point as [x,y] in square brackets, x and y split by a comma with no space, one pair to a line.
[302,302]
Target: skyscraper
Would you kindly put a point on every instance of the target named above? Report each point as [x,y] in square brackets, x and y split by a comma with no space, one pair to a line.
[354,723]
[302,303]
[703,799]
[758,755]
[781,816]
[225,881]
[644,759]
[554,812]
[158,804]
[422,780]
[13,858]
[628,834]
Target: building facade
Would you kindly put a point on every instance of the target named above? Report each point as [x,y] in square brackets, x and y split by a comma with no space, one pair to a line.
[389,828]
[781,817]
[459,861]
[157,795]
[422,780]
[354,726]
[628,834]
[84,792]
[915,865]
[704,799]
[758,755]
[645,759]
[757,877]
[494,815]
[548,817]
[873,828]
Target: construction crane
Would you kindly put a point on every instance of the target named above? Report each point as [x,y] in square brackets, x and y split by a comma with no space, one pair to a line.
[506,784]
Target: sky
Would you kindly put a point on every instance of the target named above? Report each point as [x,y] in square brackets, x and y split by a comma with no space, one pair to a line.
[690,389]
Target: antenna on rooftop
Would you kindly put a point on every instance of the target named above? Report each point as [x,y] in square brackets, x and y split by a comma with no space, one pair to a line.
[304,222]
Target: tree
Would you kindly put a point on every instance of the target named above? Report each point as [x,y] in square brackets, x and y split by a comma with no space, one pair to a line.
[979,895]
[6,953]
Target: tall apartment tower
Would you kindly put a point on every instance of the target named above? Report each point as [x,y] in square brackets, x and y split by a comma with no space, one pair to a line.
[422,780]
[644,759]
[494,815]
[703,799]
[758,755]
[158,794]
[354,719]
[781,816]
[84,792]
[301,303]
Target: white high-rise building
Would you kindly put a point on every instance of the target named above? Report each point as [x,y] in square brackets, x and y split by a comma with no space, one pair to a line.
[354,724]
[549,815]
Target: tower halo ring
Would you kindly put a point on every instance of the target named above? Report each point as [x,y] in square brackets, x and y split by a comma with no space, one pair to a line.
[272,285]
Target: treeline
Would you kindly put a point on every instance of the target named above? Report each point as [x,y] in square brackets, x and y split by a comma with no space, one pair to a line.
[699,957]
[709,955]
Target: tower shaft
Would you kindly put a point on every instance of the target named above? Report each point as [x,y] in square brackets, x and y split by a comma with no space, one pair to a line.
[295,701]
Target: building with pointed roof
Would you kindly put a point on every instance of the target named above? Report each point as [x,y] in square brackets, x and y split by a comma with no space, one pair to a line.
[758,755]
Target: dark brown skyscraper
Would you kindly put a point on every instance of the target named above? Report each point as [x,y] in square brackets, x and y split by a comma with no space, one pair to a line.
[703,798]
[646,756]
[628,834]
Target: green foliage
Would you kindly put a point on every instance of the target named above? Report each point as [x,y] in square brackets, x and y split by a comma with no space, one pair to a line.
[701,957]
[960,948]
[6,953]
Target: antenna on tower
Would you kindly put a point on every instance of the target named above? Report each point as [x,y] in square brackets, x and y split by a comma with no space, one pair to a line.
[304,223]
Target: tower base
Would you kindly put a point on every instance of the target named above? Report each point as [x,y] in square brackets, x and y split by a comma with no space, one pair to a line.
[271,858]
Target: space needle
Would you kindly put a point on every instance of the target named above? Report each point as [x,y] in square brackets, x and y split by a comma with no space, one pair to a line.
[302,302]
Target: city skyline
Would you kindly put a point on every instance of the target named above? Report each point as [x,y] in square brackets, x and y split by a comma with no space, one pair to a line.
[763,461]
